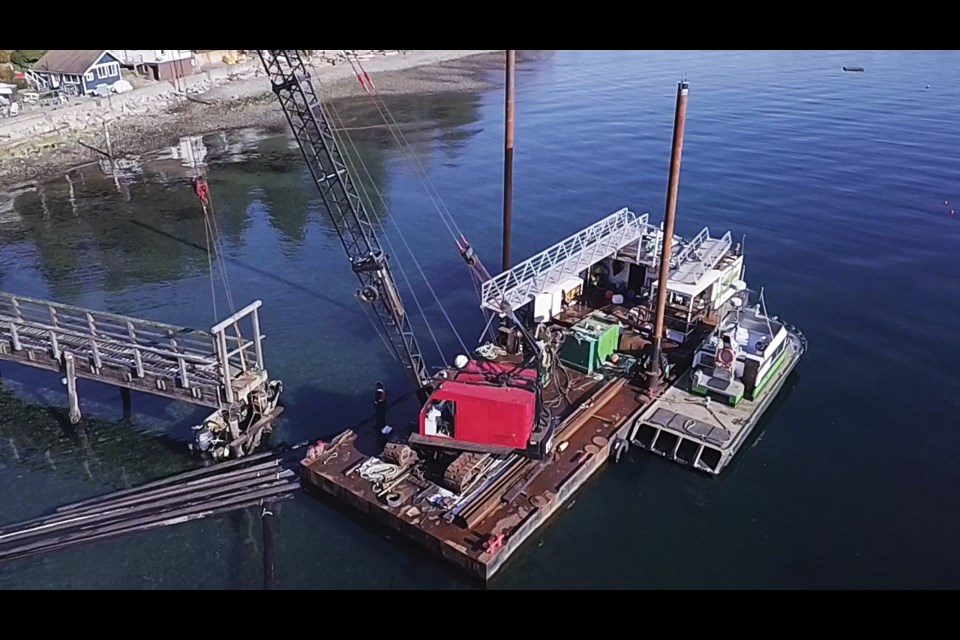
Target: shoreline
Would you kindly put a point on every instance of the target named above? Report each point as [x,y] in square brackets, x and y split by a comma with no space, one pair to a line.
[158,115]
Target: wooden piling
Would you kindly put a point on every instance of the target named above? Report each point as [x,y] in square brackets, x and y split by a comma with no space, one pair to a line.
[70,379]
[125,401]
[267,516]
[113,163]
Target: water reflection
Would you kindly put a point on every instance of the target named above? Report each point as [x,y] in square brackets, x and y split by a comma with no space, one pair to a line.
[191,151]
[111,454]
[84,236]
[144,251]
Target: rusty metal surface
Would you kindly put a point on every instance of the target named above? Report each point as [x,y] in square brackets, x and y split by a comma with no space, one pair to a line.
[479,546]
[399,454]
[462,472]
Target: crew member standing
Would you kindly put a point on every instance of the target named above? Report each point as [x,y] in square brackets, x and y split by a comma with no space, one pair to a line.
[380,402]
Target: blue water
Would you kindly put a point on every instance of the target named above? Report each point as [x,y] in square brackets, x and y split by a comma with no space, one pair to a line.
[842,183]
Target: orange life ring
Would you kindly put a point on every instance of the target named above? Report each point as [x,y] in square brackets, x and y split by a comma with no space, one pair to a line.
[727,356]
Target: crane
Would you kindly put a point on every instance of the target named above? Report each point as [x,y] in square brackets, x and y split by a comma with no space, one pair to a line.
[474,409]
[311,128]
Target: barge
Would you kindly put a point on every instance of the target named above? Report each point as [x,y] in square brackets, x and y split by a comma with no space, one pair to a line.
[478,520]
[480,529]
[579,339]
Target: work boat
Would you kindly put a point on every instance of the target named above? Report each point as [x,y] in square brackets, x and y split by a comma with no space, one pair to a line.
[743,354]
[737,371]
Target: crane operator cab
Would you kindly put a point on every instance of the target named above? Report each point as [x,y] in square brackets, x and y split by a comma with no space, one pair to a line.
[440,419]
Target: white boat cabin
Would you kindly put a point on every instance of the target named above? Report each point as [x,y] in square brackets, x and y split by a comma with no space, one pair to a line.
[739,357]
[703,272]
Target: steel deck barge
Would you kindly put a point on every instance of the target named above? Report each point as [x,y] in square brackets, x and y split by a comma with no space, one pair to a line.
[511,505]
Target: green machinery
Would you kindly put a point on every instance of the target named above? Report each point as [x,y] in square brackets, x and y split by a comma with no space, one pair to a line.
[589,343]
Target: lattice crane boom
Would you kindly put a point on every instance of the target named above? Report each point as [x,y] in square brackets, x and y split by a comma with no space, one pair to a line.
[311,128]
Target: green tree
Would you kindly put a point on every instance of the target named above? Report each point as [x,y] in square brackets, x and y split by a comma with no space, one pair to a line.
[26,57]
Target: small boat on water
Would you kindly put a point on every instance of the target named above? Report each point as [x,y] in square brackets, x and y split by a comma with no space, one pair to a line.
[743,354]
[854,68]
[737,371]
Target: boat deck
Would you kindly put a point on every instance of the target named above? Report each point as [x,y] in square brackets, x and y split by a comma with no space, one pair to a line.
[483,531]
[683,427]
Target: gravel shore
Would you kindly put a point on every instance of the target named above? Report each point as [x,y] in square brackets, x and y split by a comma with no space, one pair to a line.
[158,115]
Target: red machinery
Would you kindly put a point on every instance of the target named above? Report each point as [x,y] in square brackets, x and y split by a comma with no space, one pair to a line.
[495,407]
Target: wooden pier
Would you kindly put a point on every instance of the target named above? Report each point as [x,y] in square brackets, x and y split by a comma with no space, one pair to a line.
[222,368]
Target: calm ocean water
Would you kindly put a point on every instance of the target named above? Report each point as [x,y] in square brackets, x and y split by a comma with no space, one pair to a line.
[844,184]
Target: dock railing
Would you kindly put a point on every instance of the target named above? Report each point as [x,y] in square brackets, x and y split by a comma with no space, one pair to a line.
[214,368]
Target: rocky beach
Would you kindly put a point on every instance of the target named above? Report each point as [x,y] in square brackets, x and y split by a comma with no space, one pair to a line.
[42,143]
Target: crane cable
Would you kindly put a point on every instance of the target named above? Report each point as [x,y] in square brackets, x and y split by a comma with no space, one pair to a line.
[366,82]
[211,231]
[403,144]
[344,134]
[391,349]
[210,223]
[214,246]
[400,138]
[201,189]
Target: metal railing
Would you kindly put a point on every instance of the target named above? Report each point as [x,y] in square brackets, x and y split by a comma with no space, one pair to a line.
[213,368]
[699,256]
[514,288]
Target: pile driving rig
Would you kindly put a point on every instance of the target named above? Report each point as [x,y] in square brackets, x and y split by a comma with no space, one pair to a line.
[471,410]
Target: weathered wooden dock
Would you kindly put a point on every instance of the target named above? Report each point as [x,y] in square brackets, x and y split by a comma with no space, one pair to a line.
[222,368]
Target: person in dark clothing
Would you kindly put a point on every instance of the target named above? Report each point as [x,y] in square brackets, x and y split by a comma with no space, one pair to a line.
[380,403]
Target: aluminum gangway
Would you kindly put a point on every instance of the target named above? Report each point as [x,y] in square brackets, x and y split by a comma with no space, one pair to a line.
[699,256]
[516,287]
[222,368]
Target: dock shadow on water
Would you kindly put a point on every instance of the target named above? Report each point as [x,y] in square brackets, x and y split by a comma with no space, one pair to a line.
[102,454]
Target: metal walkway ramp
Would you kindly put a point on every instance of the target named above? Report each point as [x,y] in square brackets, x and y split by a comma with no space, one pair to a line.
[514,288]
[699,256]
[222,369]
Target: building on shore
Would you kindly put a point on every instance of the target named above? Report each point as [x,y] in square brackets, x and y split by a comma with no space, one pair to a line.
[203,57]
[76,72]
[158,64]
